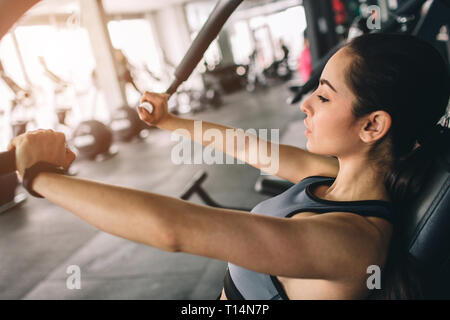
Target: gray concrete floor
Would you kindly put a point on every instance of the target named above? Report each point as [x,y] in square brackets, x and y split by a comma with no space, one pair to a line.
[38,240]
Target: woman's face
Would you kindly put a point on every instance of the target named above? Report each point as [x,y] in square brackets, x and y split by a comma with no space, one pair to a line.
[331,127]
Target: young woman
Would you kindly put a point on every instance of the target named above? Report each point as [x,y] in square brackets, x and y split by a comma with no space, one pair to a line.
[371,129]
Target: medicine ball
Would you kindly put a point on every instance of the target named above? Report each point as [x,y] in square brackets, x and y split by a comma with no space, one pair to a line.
[92,138]
[126,124]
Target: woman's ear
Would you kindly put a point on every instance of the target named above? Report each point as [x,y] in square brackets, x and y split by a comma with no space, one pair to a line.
[375,126]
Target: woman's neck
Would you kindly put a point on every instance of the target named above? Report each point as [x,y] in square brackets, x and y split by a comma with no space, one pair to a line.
[357,179]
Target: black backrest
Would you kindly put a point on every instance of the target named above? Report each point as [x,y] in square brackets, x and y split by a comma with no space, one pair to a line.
[428,228]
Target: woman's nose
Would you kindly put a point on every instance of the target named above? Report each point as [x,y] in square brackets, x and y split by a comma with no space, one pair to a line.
[302,107]
[306,107]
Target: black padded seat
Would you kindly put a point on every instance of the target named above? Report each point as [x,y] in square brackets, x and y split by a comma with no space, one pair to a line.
[428,228]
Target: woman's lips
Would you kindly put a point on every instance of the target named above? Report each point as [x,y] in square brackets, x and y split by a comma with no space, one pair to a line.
[307,131]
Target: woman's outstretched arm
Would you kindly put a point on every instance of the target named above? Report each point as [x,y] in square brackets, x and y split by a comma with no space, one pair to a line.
[11,11]
[320,246]
[315,247]
[288,162]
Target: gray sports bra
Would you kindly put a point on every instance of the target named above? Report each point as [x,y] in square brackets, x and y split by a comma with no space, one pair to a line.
[243,284]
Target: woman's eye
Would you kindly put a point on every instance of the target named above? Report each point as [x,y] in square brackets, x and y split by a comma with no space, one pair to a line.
[322,99]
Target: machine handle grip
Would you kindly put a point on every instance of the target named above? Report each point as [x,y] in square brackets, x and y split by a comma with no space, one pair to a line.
[209,31]
[147,106]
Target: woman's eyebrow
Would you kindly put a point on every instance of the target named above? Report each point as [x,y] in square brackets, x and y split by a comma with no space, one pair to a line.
[323,81]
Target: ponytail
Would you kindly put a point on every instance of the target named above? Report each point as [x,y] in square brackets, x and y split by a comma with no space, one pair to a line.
[408,173]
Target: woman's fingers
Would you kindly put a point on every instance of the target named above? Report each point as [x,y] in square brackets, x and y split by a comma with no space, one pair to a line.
[151,97]
[69,158]
[41,146]
[11,145]
[153,107]
[147,106]
[145,116]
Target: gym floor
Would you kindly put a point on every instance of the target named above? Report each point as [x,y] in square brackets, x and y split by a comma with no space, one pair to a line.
[39,241]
